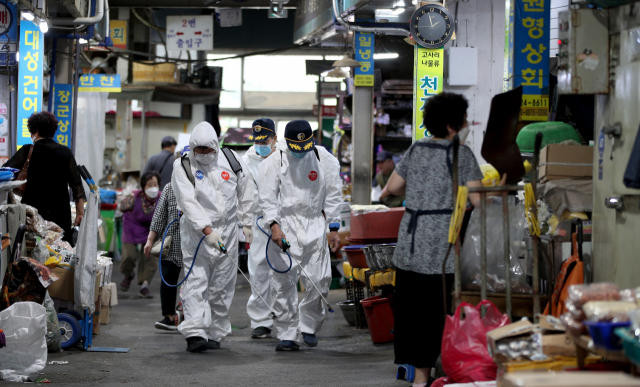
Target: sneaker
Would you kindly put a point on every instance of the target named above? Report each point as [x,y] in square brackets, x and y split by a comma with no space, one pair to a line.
[287,345]
[126,283]
[261,333]
[310,340]
[197,344]
[145,293]
[166,324]
[213,344]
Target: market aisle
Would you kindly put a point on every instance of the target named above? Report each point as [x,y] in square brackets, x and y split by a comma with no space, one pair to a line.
[344,357]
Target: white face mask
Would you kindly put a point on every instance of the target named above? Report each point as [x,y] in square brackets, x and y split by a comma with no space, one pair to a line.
[33,139]
[207,158]
[463,134]
[152,192]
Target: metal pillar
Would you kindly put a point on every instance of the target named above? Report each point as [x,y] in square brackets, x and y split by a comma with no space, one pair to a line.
[145,134]
[63,61]
[124,118]
[362,140]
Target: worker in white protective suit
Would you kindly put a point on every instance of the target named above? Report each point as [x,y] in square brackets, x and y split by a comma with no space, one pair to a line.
[264,138]
[209,189]
[296,184]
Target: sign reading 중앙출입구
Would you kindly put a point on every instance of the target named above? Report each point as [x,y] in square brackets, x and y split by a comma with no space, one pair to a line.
[427,81]
[364,55]
[63,100]
[100,82]
[29,78]
[531,20]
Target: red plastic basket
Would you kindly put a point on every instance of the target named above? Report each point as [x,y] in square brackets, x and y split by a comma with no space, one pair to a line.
[379,316]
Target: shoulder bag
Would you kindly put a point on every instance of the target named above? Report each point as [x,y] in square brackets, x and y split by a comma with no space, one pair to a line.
[22,175]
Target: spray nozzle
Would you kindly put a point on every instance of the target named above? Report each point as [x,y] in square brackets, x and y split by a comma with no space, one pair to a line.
[222,248]
[285,245]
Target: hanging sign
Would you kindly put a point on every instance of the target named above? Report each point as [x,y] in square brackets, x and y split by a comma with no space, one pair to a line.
[364,55]
[428,79]
[29,78]
[119,33]
[100,82]
[8,33]
[63,96]
[531,57]
[190,33]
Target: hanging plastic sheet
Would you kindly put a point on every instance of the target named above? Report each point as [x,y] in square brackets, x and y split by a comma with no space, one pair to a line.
[470,256]
[92,107]
[87,253]
[25,326]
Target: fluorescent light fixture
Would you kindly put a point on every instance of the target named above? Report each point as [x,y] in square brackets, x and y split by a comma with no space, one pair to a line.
[390,11]
[332,57]
[17,56]
[83,41]
[26,15]
[398,11]
[44,27]
[385,55]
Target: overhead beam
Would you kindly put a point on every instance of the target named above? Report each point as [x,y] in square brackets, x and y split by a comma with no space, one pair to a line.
[194,4]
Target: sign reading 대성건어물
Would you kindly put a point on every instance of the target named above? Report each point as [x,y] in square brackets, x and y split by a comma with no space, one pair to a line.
[29,78]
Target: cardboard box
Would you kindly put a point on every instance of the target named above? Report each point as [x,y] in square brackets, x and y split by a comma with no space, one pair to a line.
[105,315]
[96,289]
[565,162]
[63,287]
[105,295]
[569,379]
[114,294]
[520,328]
[96,318]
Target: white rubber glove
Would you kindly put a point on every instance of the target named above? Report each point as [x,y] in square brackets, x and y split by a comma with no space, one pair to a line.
[248,234]
[213,240]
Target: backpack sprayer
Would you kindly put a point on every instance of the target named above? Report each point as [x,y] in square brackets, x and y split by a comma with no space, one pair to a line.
[285,247]
[223,249]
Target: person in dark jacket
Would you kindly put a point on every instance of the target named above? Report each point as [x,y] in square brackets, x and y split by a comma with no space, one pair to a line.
[163,161]
[52,170]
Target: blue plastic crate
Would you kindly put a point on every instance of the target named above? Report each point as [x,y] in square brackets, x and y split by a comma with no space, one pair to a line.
[603,334]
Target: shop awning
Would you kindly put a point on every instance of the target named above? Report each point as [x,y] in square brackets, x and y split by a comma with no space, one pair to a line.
[177,93]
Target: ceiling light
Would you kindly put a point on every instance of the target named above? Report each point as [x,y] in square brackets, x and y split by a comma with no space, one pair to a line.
[398,11]
[346,61]
[385,55]
[83,41]
[26,15]
[337,72]
[44,27]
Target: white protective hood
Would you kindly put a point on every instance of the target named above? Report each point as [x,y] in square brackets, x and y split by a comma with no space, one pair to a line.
[203,135]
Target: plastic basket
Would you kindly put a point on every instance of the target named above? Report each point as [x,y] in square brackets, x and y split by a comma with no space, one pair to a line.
[631,345]
[603,335]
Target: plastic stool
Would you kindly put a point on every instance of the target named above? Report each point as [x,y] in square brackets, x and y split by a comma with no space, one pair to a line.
[406,371]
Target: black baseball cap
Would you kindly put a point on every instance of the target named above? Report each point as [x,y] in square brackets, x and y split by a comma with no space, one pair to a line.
[299,136]
[262,129]
[383,155]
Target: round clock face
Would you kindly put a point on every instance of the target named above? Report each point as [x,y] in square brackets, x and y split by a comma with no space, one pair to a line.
[431,26]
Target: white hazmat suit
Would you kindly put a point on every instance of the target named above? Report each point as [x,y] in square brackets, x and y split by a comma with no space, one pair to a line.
[259,270]
[215,201]
[294,192]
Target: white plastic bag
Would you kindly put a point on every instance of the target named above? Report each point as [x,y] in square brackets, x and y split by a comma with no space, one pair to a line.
[25,326]
[87,257]
[470,255]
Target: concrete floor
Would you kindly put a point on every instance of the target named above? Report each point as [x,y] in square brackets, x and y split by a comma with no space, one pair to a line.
[345,356]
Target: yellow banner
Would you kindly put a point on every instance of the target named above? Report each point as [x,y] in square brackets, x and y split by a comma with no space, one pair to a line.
[428,80]
[119,33]
[534,107]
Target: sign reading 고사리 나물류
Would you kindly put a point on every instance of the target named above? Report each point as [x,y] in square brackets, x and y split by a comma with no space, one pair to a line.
[428,79]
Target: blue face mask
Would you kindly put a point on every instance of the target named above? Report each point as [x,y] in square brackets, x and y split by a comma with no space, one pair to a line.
[298,155]
[263,150]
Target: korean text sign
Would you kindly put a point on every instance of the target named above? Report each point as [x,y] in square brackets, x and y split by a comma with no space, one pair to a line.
[428,80]
[29,78]
[100,82]
[8,33]
[190,32]
[364,54]
[531,57]
[63,100]
[119,33]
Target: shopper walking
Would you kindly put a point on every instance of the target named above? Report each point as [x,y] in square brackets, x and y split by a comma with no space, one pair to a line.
[163,161]
[171,265]
[51,171]
[424,176]
[265,139]
[301,193]
[137,209]
[211,196]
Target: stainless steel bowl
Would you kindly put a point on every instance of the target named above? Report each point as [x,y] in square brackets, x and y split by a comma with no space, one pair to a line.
[389,249]
[378,257]
[367,255]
